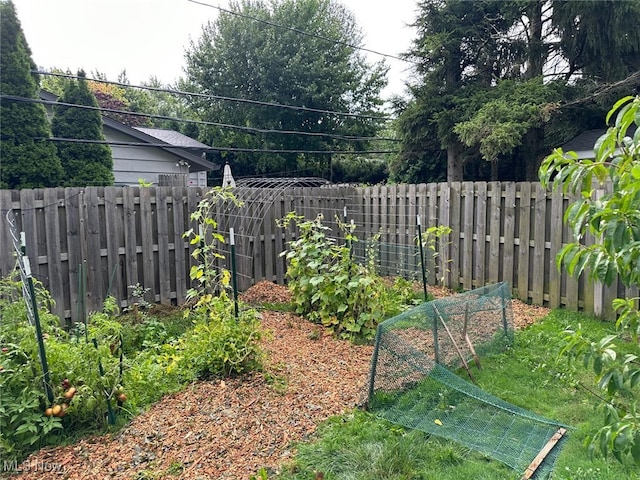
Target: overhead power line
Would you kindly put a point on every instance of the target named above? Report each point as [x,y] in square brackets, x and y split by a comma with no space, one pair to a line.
[349,138]
[215,97]
[212,149]
[301,32]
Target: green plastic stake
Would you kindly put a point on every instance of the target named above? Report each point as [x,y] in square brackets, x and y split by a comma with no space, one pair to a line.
[110,413]
[234,273]
[36,320]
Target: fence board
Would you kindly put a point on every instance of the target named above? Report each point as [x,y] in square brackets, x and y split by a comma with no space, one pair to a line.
[467,231]
[281,269]
[556,245]
[146,242]
[432,221]
[509,219]
[52,225]
[130,242]
[523,241]
[455,219]
[180,226]
[164,269]
[411,220]
[539,237]
[7,260]
[30,229]
[95,276]
[444,243]
[495,215]
[481,234]
[114,218]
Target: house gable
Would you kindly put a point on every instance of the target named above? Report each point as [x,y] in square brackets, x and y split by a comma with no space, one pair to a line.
[133,163]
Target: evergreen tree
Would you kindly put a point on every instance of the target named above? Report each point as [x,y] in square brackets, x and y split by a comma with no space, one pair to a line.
[26,161]
[84,164]
[504,81]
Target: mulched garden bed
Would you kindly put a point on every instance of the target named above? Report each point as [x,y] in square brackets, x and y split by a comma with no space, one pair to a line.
[230,429]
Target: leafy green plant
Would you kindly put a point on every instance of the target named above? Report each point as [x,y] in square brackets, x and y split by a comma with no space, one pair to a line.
[206,240]
[329,288]
[219,344]
[431,236]
[612,217]
[23,425]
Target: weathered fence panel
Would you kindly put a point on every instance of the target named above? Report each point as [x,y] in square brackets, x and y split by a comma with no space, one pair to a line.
[87,243]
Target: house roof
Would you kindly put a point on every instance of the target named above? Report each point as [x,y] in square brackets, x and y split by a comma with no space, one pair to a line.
[153,138]
[585,141]
[172,137]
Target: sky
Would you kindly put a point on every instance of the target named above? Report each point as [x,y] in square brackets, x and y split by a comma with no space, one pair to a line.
[149,37]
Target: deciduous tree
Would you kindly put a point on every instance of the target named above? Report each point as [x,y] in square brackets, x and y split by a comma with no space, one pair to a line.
[237,56]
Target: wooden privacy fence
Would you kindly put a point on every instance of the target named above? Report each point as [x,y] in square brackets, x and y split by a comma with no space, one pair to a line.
[87,243]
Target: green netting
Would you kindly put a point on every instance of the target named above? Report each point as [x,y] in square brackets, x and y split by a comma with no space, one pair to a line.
[409,387]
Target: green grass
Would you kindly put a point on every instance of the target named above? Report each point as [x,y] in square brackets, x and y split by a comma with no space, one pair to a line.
[359,446]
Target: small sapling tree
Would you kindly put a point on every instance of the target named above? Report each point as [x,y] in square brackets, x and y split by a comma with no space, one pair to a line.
[611,215]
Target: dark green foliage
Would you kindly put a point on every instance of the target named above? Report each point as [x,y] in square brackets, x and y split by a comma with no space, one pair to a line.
[613,217]
[240,57]
[84,164]
[27,160]
[367,171]
[481,98]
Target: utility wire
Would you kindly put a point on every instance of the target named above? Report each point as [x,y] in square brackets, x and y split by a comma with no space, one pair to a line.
[210,149]
[301,32]
[214,97]
[349,138]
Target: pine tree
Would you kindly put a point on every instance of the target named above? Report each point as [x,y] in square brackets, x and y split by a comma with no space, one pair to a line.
[84,164]
[26,160]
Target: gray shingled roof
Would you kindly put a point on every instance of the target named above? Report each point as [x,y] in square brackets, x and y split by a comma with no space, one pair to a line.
[587,139]
[172,137]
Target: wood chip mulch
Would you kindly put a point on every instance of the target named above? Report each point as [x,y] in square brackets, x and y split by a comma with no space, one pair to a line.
[230,429]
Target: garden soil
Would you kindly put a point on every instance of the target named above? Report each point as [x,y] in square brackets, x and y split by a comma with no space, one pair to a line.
[229,429]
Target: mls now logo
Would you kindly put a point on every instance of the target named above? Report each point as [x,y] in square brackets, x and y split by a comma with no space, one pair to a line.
[31,466]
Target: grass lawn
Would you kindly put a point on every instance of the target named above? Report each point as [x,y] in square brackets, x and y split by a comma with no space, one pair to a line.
[358,446]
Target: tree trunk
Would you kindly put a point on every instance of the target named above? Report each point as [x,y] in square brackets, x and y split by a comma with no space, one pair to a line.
[532,141]
[537,49]
[495,176]
[454,162]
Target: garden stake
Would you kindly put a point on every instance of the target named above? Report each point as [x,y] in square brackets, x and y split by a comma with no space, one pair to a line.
[465,335]
[234,280]
[79,302]
[83,300]
[110,414]
[36,319]
[25,276]
[121,365]
[436,350]
[422,267]
[455,345]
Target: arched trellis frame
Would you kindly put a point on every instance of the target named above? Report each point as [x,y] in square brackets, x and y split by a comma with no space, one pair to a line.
[258,240]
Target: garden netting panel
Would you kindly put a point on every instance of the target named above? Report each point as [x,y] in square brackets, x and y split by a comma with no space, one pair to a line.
[411,382]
